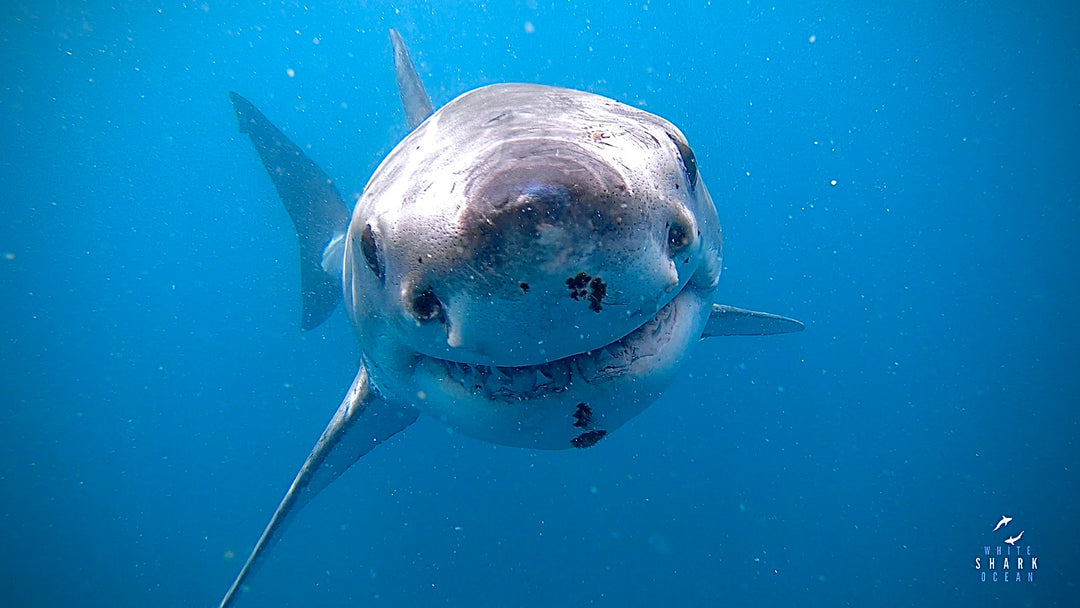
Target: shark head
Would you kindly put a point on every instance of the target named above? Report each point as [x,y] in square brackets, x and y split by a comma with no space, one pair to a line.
[535,236]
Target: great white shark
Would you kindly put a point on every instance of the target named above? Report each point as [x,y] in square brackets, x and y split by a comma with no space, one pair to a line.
[529,266]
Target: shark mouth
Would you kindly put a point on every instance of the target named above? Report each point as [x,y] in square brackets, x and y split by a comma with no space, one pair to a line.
[617,359]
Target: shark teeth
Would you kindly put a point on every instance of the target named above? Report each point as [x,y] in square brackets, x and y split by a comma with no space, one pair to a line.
[516,383]
[456,371]
[519,383]
[605,360]
[524,380]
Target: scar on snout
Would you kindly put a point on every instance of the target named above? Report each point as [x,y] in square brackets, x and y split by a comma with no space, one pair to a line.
[577,285]
[597,291]
[593,289]
[582,416]
[587,439]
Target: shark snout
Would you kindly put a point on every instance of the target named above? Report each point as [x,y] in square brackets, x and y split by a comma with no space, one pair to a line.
[546,258]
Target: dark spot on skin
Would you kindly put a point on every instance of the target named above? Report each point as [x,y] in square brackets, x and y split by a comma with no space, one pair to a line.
[524,287]
[583,286]
[587,439]
[419,260]
[582,416]
[577,285]
[597,291]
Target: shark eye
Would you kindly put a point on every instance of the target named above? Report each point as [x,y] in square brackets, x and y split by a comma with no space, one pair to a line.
[426,306]
[689,161]
[370,251]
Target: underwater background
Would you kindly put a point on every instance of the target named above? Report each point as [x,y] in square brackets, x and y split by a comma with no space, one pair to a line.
[901,176]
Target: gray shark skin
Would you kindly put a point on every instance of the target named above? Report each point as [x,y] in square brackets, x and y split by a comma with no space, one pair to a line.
[530,266]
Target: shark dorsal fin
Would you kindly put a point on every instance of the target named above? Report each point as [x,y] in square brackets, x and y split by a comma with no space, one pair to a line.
[413,96]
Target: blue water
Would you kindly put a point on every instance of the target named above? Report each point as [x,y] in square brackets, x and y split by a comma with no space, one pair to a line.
[157,397]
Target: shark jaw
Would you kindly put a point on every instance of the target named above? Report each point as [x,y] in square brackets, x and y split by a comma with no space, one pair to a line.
[541,406]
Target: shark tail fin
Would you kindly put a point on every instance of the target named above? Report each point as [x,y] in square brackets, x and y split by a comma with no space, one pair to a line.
[413,96]
[316,207]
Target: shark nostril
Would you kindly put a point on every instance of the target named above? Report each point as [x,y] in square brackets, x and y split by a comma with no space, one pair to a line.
[425,305]
[678,237]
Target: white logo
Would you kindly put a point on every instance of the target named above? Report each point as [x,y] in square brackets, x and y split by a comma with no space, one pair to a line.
[1004,522]
[1009,564]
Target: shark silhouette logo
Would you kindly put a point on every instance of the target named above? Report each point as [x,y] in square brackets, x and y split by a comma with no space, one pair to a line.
[1004,522]
[1010,562]
[1012,539]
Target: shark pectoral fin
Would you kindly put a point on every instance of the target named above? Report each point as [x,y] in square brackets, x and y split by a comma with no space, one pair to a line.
[413,96]
[731,321]
[362,421]
[317,210]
